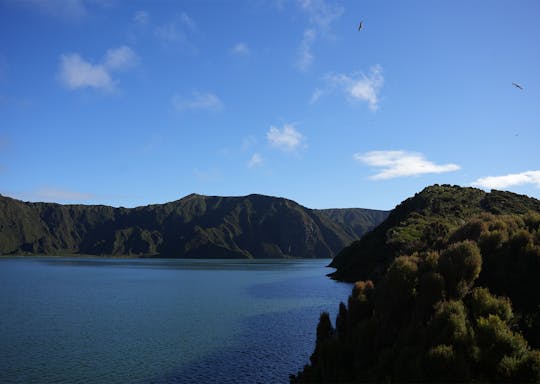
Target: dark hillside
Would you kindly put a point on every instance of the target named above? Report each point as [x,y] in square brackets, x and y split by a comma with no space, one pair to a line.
[195,226]
[453,295]
[424,219]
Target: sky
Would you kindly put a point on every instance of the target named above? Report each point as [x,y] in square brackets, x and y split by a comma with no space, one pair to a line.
[129,103]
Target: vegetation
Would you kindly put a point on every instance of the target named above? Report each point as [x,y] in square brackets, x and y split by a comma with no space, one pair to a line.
[460,302]
[422,222]
[196,226]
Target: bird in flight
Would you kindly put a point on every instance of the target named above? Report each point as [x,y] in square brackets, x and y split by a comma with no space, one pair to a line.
[517,85]
[360,25]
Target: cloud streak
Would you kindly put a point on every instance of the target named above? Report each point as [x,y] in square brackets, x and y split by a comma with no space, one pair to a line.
[510,180]
[141,18]
[199,101]
[286,139]
[305,51]
[178,33]
[393,164]
[76,72]
[320,17]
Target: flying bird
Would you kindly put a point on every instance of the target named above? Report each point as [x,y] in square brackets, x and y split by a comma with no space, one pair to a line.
[517,85]
[360,25]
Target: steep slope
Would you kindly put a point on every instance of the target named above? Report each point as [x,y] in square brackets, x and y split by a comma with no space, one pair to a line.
[426,218]
[459,304]
[356,220]
[195,226]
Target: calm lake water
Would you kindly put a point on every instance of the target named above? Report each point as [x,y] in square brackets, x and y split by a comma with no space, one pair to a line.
[160,321]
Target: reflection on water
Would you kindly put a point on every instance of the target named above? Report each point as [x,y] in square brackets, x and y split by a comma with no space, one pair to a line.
[154,320]
[187,264]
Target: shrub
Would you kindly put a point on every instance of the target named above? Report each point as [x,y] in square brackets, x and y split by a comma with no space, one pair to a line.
[460,264]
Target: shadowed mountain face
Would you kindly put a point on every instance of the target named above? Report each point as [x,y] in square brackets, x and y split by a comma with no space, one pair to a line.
[196,226]
[421,222]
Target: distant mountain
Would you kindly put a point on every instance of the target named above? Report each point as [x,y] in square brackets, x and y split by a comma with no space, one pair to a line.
[420,222]
[195,226]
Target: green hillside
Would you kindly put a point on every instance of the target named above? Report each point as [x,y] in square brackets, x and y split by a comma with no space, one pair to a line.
[196,226]
[450,293]
[421,222]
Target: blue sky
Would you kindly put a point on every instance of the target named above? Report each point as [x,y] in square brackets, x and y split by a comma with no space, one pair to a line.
[131,103]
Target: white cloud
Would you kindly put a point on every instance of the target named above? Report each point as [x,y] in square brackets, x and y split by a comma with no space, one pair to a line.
[513,179]
[75,72]
[240,49]
[286,139]
[255,160]
[197,101]
[394,164]
[360,87]
[120,58]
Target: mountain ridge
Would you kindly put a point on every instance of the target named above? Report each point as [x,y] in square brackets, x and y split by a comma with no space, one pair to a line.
[194,226]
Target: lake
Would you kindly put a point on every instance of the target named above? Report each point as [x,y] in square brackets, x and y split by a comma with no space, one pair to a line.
[74,320]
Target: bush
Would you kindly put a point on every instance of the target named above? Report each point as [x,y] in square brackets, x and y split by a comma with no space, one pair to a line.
[460,264]
[482,304]
[443,364]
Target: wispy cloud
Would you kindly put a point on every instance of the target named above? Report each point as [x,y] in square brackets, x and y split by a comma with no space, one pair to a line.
[286,138]
[316,95]
[321,14]
[255,160]
[197,101]
[394,164]
[305,51]
[248,142]
[240,49]
[510,180]
[178,33]
[75,72]
[118,59]
[360,87]
[141,18]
